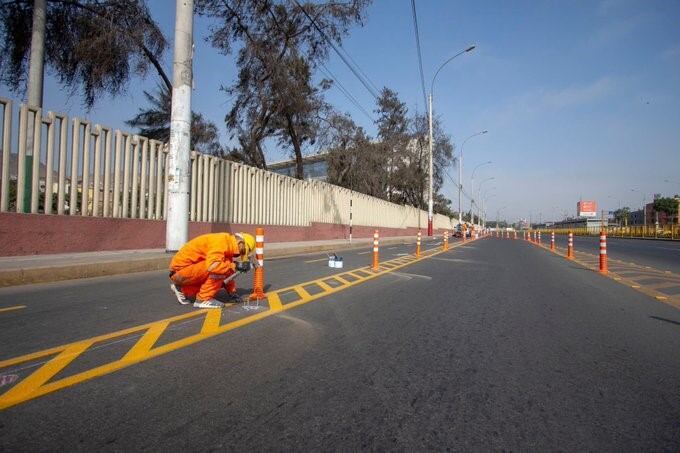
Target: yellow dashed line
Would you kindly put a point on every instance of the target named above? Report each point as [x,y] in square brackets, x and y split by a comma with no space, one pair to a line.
[39,382]
[16,307]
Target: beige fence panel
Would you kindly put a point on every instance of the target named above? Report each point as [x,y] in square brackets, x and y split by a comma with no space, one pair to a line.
[112,173]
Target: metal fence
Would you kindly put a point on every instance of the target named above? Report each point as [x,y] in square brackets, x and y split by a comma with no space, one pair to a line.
[634,231]
[86,169]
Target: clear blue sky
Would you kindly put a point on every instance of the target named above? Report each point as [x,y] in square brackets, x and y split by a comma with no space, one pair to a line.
[581,98]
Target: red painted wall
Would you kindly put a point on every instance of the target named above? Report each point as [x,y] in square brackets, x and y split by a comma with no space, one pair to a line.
[39,234]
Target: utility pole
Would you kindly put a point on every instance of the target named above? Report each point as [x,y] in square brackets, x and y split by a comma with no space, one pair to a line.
[36,66]
[179,156]
[430,202]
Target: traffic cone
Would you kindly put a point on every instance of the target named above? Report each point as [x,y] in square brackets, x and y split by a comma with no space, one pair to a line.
[258,275]
[570,246]
[376,259]
[603,252]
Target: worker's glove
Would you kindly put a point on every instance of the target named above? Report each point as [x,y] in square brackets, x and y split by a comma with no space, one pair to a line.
[243,266]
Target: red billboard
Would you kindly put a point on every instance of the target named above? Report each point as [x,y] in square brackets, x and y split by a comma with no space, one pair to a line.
[586,209]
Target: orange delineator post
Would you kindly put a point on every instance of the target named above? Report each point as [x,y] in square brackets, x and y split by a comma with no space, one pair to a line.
[376,259]
[464,230]
[418,245]
[552,241]
[538,238]
[258,275]
[445,245]
[570,246]
[515,234]
[603,252]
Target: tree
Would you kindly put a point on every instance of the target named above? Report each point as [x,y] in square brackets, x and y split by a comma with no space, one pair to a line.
[353,161]
[667,205]
[393,123]
[154,123]
[281,44]
[622,215]
[93,46]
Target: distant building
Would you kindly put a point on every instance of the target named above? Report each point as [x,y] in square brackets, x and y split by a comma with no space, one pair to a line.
[583,222]
[315,167]
[653,218]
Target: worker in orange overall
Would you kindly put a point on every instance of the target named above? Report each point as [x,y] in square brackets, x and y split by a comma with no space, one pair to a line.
[199,268]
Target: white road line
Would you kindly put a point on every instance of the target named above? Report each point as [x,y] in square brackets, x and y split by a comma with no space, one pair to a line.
[316,261]
[363,253]
[410,276]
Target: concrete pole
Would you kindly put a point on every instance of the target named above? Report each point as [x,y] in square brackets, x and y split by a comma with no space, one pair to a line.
[37,57]
[460,185]
[179,156]
[36,64]
[430,202]
[472,201]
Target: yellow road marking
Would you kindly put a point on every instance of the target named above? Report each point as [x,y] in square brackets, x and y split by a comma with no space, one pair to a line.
[147,341]
[661,297]
[274,302]
[38,382]
[16,307]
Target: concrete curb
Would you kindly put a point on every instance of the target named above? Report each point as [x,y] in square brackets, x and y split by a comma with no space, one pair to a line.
[45,274]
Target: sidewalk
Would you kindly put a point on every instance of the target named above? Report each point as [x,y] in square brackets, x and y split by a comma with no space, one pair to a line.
[24,270]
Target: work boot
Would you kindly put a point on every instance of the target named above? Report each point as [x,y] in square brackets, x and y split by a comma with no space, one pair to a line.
[211,303]
[235,298]
[181,298]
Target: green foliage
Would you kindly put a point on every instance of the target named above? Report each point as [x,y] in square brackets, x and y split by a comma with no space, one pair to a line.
[621,215]
[274,96]
[93,46]
[154,122]
[667,205]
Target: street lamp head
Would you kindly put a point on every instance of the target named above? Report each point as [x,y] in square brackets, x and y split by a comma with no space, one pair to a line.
[471,48]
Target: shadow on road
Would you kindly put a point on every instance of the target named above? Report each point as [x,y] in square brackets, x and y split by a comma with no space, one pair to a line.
[677,323]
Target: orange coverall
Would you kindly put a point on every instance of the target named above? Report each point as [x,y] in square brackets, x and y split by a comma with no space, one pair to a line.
[189,267]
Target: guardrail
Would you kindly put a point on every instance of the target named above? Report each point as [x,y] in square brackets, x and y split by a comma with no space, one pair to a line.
[81,168]
[670,232]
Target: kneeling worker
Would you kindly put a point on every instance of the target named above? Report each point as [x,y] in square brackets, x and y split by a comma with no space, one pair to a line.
[201,265]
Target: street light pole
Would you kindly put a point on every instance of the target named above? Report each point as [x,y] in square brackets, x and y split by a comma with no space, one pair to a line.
[479,191]
[460,176]
[644,208]
[472,190]
[430,202]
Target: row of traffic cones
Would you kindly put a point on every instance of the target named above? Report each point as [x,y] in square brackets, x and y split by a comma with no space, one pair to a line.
[535,237]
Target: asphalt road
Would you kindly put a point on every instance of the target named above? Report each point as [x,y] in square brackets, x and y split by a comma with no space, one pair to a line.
[662,255]
[495,345]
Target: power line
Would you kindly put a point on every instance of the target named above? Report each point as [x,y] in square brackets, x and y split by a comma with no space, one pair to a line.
[335,48]
[346,92]
[420,56]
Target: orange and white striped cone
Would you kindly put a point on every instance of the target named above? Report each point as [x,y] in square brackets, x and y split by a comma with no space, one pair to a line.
[258,275]
[418,245]
[376,259]
[603,252]
[552,241]
[570,246]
